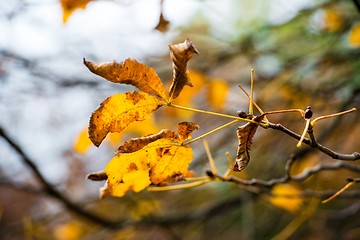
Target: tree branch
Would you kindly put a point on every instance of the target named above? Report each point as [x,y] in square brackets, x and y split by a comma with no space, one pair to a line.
[335,155]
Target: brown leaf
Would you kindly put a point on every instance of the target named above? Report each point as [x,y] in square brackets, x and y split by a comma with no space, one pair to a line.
[130,72]
[136,144]
[163,24]
[185,129]
[97,176]
[245,135]
[180,54]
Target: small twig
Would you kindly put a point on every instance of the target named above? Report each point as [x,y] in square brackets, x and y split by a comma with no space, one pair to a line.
[335,155]
[313,122]
[210,158]
[343,189]
[306,129]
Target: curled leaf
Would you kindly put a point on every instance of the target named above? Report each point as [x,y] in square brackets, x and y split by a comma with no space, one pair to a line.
[155,163]
[245,135]
[185,129]
[130,72]
[180,54]
[118,111]
[163,24]
[136,144]
[97,176]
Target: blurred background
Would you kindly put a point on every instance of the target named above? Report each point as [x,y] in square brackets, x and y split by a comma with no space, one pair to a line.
[303,52]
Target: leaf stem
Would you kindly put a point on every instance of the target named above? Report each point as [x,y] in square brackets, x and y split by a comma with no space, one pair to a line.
[304,132]
[251,110]
[213,113]
[338,192]
[210,132]
[313,122]
[179,186]
[210,157]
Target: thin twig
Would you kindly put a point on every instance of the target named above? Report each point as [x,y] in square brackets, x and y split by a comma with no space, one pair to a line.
[335,155]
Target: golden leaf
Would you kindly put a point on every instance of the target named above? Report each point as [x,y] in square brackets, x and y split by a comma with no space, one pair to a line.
[136,144]
[154,163]
[180,54]
[218,92]
[245,134]
[354,36]
[286,196]
[130,72]
[118,111]
[185,129]
[69,6]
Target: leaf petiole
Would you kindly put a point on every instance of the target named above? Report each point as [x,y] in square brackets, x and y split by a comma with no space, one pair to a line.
[213,113]
[210,132]
[179,186]
[313,122]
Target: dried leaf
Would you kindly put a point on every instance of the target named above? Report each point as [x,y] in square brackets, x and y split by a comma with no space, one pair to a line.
[136,144]
[118,111]
[69,6]
[154,163]
[163,24]
[245,135]
[180,54]
[130,72]
[286,196]
[185,129]
[97,176]
[187,96]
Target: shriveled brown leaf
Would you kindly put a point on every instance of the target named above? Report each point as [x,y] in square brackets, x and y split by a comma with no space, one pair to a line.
[136,144]
[97,176]
[118,111]
[180,55]
[245,135]
[185,129]
[163,24]
[130,72]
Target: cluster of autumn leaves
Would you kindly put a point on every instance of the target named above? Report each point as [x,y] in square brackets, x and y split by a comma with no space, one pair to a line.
[153,159]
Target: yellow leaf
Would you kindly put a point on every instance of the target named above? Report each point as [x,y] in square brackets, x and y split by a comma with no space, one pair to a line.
[286,196]
[69,6]
[154,163]
[83,142]
[136,144]
[118,111]
[180,54]
[218,91]
[354,36]
[130,72]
